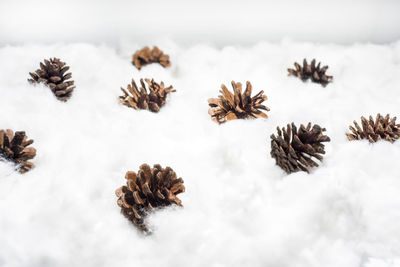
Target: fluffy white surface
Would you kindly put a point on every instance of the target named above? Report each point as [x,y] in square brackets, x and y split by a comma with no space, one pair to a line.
[240,208]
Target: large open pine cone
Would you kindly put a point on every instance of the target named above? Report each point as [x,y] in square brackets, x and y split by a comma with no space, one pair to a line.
[293,150]
[146,56]
[316,73]
[148,189]
[140,99]
[14,147]
[53,73]
[239,105]
[382,128]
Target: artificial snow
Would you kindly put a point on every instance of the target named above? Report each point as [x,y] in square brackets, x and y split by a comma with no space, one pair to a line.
[240,209]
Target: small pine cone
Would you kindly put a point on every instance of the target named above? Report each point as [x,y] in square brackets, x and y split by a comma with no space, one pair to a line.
[52,73]
[316,73]
[293,150]
[146,56]
[140,99]
[239,105]
[382,128]
[150,188]
[14,147]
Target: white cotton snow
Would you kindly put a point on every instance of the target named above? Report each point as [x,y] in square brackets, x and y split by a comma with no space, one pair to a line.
[240,209]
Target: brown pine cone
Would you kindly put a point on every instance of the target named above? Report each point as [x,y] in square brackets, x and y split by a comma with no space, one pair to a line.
[52,73]
[14,147]
[315,73]
[239,105]
[150,188]
[382,128]
[294,150]
[140,99]
[146,56]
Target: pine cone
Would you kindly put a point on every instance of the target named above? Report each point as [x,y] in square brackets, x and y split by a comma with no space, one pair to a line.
[148,189]
[294,150]
[52,73]
[316,73]
[239,105]
[383,128]
[140,99]
[146,56]
[15,148]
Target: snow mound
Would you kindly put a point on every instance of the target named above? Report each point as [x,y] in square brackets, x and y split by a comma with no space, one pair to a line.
[240,209]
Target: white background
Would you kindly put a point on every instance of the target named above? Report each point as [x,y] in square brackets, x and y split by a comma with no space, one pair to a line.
[216,22]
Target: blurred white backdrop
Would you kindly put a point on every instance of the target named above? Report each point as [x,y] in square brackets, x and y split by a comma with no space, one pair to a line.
[214,22]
